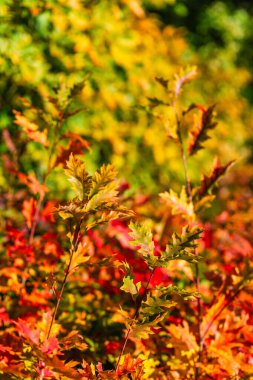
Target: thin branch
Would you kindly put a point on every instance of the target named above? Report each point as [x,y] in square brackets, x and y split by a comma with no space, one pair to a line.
[35,220]
[187,178]
[59,297]
[189,193]
[182,151]
[134,318]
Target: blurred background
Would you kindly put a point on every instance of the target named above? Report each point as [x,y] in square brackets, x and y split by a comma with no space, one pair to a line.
[118,47]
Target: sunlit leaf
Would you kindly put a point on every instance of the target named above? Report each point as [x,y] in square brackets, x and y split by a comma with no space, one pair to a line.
[129,286]
[78,176]
[179,204]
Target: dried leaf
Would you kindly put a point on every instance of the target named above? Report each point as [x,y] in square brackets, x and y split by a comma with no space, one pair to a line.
[200,133]
[207,182]
[76,145]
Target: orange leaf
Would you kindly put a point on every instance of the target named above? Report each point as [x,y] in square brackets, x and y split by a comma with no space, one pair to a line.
[31,129]
[32,183]
[28,210]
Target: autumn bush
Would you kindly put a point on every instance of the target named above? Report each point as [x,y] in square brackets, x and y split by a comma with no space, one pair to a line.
[141,274]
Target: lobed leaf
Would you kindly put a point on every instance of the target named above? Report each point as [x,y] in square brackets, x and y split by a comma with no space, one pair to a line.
[79,256]
[129,286]
[207,182]
[78,176]
[33,184]
[182,247]
[142,330]
[142,237]
[200,133]
[160,300]
[31,129]
[180,204]
[106,195]
[76,145]
[102,178]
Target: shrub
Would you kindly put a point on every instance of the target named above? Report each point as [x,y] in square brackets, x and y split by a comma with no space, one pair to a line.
[102,277]
[88,295]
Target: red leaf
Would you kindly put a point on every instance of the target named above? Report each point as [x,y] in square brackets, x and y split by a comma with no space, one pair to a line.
[27,332]
[99,367]
[50,345]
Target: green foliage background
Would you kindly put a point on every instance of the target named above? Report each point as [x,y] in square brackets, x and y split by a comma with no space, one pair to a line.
[120,47]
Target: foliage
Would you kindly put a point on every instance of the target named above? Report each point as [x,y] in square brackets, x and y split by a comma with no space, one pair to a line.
[49,46]
[100,280]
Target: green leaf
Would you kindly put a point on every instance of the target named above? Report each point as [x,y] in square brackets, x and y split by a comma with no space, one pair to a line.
[161,299]
[106,196]
[142,237]
[155,102]
[142,330]
[182,247]
[129,286]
